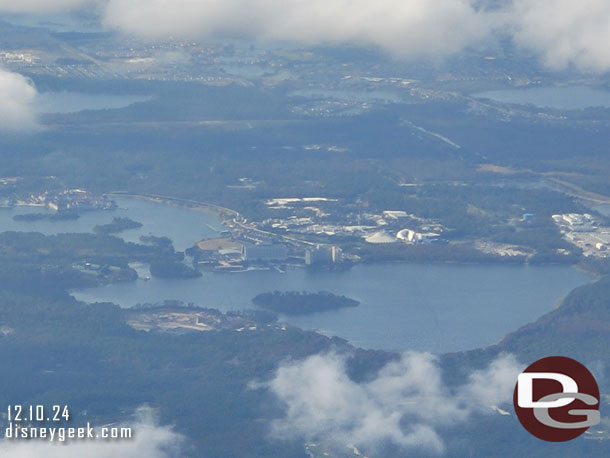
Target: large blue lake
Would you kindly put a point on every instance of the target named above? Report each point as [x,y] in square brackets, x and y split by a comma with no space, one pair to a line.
[561,97]
[432,307]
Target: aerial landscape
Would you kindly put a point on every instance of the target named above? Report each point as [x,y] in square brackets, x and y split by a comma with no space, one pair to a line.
[277,229]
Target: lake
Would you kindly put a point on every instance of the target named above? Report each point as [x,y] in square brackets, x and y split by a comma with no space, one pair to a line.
[73,102]
[426,307]
[431,307]
[561,97]
[184,227]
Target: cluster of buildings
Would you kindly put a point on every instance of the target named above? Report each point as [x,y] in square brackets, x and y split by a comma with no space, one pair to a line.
[18,57]
[585,232]
[234,255]
[314,216]
[308,231]
[69,200]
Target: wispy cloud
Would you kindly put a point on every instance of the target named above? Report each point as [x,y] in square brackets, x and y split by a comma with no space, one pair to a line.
[405,27]
[564,33]
[149,441]
[405,404]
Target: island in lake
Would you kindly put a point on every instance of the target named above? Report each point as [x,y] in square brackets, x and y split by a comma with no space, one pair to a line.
[59,216]
[302,303]
[117,225]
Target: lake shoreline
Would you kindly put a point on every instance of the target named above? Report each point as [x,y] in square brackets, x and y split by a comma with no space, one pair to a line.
[187,204]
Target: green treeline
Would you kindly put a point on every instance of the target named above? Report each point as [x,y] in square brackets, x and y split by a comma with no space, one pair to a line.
[118,224]
[302,303]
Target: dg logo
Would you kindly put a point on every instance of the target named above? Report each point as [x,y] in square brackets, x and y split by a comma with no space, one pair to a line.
[557,399]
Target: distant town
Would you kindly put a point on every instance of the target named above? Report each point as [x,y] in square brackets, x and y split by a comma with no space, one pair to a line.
[63,200]
[314,232]
[307,231]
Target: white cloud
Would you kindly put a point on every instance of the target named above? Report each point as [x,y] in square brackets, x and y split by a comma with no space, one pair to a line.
[406,27]
[149,441]
[405,403]
[564,32]
[495,384]
[41,6]
[17,103]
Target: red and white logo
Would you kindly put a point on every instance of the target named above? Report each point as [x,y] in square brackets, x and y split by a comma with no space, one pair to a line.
[556,399]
